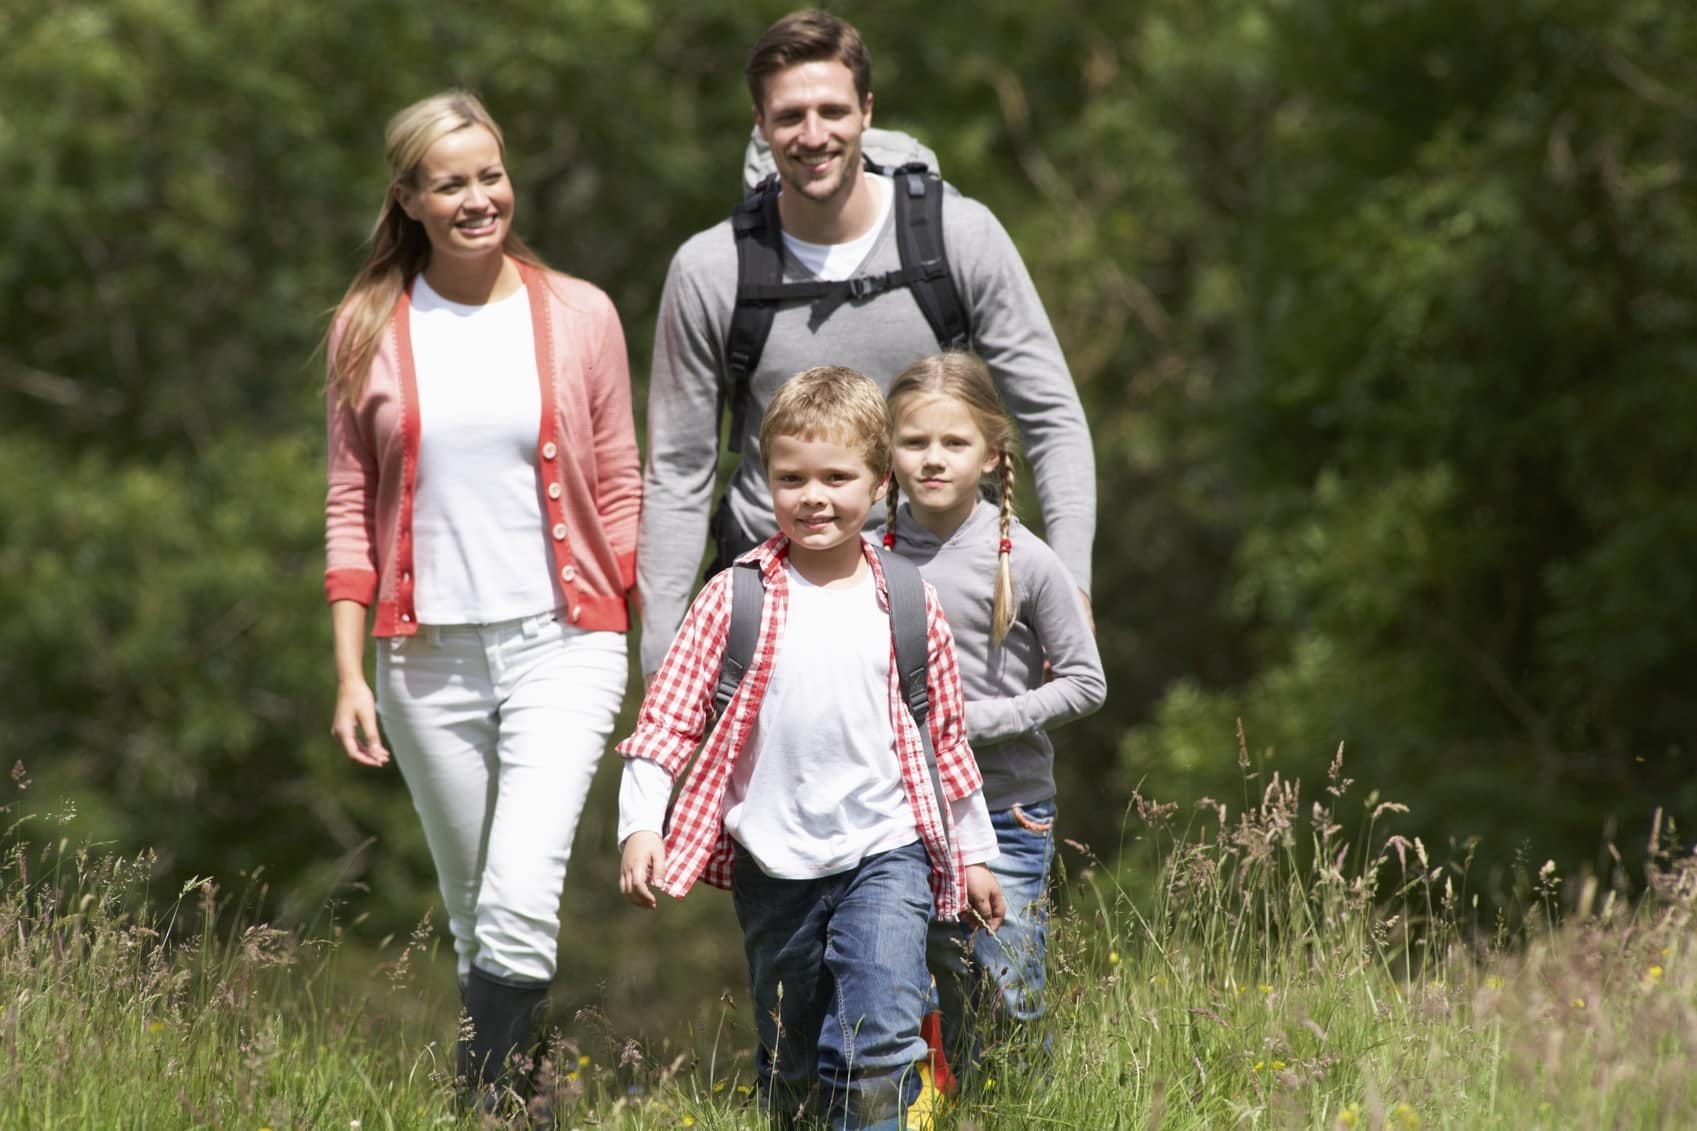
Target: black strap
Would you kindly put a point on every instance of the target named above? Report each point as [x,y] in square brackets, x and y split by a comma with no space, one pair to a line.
[760,262]
[748,594]
[913,660]
[919,239]
[761,288]
[907,628]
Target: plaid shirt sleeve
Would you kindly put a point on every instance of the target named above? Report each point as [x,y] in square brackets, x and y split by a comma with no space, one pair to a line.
[674,714]
[956,765]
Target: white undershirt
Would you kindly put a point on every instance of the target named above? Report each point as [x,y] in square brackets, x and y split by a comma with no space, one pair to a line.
[480,549]
[832,261]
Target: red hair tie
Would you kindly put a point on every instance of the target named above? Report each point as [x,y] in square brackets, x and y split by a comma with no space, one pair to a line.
[1006,546]
[889,539]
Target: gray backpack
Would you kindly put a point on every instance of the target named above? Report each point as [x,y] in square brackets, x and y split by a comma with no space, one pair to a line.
[907,628]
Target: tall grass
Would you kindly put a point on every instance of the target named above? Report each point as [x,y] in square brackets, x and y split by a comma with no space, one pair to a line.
[1281,963]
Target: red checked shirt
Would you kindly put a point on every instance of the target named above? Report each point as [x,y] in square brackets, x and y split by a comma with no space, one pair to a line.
[675,711]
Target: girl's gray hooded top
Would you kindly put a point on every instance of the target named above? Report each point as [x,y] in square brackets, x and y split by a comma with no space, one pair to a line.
[1009,706]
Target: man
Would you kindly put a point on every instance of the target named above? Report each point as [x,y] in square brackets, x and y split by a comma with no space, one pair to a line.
[810,79]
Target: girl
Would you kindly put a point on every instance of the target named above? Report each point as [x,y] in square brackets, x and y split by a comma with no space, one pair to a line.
[1013,608]
[482,506]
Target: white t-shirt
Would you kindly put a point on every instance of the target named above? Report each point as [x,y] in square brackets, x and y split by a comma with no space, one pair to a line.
[480,548]
[832,261]
[826,790]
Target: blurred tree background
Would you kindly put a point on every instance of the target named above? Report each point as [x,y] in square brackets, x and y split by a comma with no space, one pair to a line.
[1383,312]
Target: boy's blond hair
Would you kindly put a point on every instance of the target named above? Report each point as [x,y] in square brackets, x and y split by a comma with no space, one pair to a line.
[831,402]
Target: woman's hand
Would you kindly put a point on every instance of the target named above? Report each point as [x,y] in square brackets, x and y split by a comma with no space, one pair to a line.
[643,863]
[355,724]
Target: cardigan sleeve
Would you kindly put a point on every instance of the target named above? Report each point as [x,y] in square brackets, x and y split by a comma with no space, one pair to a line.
[350,502]
[618,469]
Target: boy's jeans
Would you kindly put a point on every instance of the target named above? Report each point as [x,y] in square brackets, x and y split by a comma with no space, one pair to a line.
[1004,970]
[836,968]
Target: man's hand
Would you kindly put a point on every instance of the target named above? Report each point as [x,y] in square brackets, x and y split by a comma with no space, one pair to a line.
[644,862]
[983,897]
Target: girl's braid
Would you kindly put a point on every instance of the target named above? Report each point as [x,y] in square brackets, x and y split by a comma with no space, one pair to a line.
[1002,610]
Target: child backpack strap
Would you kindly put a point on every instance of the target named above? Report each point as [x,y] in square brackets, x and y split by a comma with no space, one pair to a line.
[913,660]
[907,629]
[748,595]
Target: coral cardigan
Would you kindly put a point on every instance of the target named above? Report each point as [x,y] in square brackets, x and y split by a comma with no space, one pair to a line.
[586,461]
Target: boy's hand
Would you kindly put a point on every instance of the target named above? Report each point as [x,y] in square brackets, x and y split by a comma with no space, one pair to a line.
[983,897]
[643,863]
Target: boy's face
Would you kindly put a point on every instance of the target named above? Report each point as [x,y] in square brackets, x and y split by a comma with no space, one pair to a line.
[822,492]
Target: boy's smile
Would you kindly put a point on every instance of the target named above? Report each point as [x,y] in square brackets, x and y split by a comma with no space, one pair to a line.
[822,493]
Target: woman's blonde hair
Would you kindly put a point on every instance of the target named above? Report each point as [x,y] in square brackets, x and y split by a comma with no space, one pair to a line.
[962,377]
[399,247]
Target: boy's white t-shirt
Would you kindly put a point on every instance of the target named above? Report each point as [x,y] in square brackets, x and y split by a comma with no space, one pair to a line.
[826,791]
[480,547]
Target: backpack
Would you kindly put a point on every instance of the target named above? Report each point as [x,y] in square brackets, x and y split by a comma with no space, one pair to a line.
[760,260]
[907,627]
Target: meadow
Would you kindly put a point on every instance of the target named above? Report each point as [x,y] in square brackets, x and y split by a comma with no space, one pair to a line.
[1283,961]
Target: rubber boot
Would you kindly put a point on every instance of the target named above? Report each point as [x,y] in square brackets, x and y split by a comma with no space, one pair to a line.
[506,1018]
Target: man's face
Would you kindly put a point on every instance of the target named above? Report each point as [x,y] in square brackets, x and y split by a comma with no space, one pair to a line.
[813,120]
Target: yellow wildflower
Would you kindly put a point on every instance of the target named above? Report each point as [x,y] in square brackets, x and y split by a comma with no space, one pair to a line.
[1404,1116]
[156,1027]
[1655,973]
[1113,958]
[1350,1116]
[744,1089]
[1259,1065]
[583,1061]
[1579,1003]
[1492,982]
[688,1121]
[719,1086]
[1278,1065]
[1265,988]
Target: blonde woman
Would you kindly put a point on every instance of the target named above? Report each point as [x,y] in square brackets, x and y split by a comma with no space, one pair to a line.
[481,517]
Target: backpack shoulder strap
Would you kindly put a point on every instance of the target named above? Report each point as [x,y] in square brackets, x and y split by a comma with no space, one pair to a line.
[919,239]
[748,597]
[913,654]
[760,263]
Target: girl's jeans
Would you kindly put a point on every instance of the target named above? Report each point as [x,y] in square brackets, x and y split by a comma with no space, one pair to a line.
[497,729]
[986,981]
[836,968]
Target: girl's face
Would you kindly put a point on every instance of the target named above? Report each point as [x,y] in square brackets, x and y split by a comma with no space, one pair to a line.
[461,195]
[940,456]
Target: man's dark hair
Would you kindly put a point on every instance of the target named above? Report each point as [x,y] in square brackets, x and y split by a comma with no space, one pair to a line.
[808,36]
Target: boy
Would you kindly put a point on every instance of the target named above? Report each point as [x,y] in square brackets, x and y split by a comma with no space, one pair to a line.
[812,800]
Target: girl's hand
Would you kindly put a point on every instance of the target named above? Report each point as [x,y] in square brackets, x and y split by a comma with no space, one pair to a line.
[643,863]
[983,897]
[355,724]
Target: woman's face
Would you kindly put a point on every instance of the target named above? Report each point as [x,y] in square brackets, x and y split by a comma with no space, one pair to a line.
[461,194]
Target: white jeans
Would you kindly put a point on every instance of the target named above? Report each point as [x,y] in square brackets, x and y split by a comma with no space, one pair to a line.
[497,730]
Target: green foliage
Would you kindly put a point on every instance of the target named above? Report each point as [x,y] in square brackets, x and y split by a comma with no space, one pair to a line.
[1381,312]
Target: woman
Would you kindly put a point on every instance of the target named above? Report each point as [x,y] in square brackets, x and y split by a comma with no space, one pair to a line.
[482,507]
